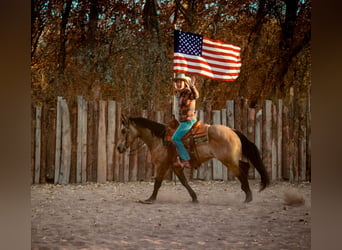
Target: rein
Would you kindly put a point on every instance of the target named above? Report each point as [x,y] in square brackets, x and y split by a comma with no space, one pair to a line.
[139,146]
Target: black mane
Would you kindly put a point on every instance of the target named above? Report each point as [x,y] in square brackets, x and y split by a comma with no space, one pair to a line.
[156,128]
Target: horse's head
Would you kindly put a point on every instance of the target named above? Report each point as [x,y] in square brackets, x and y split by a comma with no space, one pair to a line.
[129,133]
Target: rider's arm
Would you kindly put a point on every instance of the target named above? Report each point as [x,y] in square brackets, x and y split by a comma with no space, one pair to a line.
[193,87]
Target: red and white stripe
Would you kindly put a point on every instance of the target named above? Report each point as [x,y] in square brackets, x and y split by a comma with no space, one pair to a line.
[219,61]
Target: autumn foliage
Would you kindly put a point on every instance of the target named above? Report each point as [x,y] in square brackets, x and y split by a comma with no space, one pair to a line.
[123,50]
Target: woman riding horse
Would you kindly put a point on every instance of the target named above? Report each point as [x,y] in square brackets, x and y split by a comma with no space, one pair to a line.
[187,94]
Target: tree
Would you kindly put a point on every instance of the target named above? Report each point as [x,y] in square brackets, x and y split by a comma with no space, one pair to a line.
[123,50]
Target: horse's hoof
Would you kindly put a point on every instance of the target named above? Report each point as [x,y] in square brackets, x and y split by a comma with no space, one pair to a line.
[195,201]
[145,201]
[247,200]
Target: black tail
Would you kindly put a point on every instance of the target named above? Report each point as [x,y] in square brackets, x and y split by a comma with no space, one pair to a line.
[250,150]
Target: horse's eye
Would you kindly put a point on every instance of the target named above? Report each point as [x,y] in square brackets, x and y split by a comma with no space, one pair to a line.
[124,131]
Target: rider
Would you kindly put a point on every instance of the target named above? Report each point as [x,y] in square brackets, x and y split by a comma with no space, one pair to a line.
[187,94]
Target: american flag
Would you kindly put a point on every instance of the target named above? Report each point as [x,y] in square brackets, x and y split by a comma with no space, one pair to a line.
[194,53]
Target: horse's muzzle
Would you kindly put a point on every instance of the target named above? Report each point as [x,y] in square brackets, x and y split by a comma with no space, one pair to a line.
[121,148]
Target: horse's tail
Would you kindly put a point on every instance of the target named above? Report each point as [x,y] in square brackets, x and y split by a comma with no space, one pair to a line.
[250,150]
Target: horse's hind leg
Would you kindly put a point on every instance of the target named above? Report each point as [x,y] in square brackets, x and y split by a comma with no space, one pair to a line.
[241,172]
[243,178]
[180,174]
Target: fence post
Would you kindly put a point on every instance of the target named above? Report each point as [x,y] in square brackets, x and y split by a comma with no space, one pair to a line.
[117,155]
[142,156]
[251,134]
[79,140]
[111,139]
[64,172]
[208,166]
[231,124]
[258,135]
[224,122]
[279,138]
[302,141]
[37,145]
[58,140]
[101,145]
[286,144]
[217,165]
[200,172]
[274,136]
[267,136]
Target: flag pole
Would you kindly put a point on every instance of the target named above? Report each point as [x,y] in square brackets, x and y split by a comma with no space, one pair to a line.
[174,98]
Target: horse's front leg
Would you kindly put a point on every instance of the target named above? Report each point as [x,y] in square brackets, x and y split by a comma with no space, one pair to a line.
[161,171]
[180,174]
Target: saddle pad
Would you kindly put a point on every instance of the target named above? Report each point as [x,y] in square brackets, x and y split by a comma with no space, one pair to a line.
[199,132]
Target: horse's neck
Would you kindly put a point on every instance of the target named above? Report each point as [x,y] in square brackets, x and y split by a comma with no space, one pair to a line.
[150,140]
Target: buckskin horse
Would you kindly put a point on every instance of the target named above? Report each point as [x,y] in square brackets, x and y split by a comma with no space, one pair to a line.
[223,143]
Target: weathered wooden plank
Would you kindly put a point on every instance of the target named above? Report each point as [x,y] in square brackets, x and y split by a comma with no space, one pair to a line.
[58,140]
[308,135]
[207,118]
[64,172]
[142,152]
[244,116]
[293,135]
[33,129]
[117,156]
[44,135]
[224,122]
[80,125]
[158,118]
[175,107]
[51,143]
[258,135]
[37,145]
[237,114]
[84,141]
[274,143]
[217,165]
[302,155]
[90,140]
[111,139]
[230,113]
[73,129]
[126,166]
[199,173]
[230,123]
[302,143]
[267,136]
[251,135]
[286,143]
[95,138]
[101,145]
[279,138]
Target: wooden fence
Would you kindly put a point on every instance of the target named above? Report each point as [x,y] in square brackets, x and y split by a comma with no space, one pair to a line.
[75,142]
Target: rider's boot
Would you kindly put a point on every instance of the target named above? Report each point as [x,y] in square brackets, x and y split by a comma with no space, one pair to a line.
[185,165]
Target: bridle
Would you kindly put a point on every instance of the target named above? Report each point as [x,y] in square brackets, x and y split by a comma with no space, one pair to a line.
[125,131]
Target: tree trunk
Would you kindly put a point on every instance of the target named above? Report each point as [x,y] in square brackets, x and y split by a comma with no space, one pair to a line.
[63,37]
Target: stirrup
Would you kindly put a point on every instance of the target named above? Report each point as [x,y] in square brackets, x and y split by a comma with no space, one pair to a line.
[181,163]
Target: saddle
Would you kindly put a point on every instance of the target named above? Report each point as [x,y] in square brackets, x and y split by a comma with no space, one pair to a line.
[197,134]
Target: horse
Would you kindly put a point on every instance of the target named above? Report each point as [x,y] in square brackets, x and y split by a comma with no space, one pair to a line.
[225,144]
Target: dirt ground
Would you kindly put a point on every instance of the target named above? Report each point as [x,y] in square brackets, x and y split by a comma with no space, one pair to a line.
[109,216]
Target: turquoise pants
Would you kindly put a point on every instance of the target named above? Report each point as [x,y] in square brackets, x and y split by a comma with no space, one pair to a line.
[182,129]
